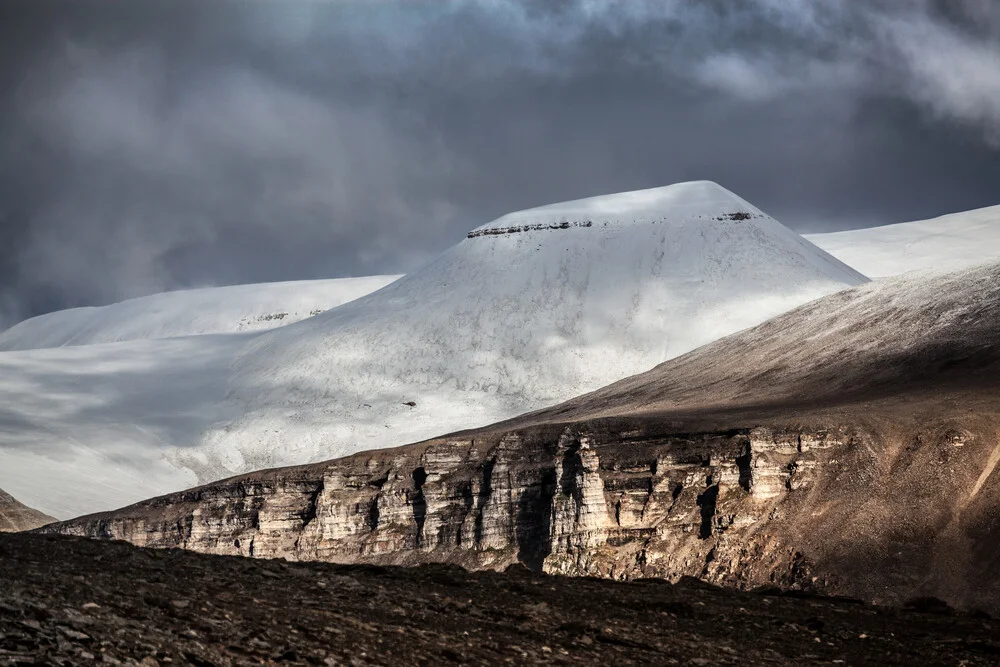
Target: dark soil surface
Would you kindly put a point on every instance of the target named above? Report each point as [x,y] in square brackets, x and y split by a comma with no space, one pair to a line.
[70,601]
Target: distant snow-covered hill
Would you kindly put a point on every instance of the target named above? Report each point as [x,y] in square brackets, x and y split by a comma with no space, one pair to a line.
[190,312]
[949,243]
[533,308]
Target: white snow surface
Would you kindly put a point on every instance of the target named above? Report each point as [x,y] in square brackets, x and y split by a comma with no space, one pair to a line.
[190,312]
[948,243]
[94,427]
[532,309]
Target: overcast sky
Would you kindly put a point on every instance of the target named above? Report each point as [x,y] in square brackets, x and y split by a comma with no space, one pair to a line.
[149,146]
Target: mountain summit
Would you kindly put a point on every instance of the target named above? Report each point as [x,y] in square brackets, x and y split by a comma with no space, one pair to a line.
[700,198]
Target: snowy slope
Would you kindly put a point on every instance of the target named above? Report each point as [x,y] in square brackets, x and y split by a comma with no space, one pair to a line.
[951,242]
[531,309]
[97,425]
[189,312]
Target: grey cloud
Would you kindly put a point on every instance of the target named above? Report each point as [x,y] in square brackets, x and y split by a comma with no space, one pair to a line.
[165,145]
[772,48]
[947,72]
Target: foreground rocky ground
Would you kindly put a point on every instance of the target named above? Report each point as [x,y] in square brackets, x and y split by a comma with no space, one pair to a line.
[70,601]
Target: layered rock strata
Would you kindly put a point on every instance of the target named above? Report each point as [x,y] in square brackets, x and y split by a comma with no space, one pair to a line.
[793,507]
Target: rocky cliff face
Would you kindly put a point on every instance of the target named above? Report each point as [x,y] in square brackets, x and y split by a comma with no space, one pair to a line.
[795,507]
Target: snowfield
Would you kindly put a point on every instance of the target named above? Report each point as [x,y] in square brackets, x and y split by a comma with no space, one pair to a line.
[531,309]
[190,312]
[949,243]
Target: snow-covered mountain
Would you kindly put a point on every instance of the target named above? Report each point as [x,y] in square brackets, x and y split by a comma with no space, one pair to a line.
[190,312]
[949,243]
[531,309]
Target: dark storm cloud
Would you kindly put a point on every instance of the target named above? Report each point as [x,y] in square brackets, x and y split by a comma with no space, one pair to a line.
[148,146]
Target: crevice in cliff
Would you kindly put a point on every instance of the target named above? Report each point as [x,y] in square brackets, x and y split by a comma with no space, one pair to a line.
[790,471]
[311,509]
[419,503]
[709,557]
[374,514]
[468,501]
[485,491]
[744,462]
[571,476]
[534,521]
[707,501]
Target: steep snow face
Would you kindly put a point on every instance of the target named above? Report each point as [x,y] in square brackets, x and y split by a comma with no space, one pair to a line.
[190,312]
[531,309]
[948,243]
[534,307]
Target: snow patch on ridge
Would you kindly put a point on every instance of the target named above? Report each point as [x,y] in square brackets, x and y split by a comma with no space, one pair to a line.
[950,242]
[231,309]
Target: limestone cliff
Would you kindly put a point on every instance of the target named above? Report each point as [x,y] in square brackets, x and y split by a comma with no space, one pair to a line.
[794,507]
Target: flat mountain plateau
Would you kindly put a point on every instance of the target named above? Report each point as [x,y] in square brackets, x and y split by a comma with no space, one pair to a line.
[62,603]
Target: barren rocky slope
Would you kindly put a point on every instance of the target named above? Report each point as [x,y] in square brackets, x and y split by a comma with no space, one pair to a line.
[61,602]
[15,516]
[847,447]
